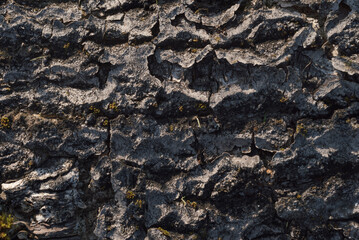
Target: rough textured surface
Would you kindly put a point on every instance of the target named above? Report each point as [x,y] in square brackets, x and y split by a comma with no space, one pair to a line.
[180,119]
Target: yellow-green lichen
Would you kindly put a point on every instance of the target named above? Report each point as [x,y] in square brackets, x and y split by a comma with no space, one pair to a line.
[113,106]
[67,45]
[6,222]
[189,203]
[301,129]
[283,99]
[201,106]
[139,203]
[164,232]
[5,122]
[130,195]
[94,110]
[105,123]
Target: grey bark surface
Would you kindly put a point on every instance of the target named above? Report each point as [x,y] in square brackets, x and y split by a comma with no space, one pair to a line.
[180,119]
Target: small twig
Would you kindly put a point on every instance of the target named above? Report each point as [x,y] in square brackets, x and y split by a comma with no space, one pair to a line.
[218,157]
[201,9]
[199,124]
[307,65]
[184,202]
[37,58]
